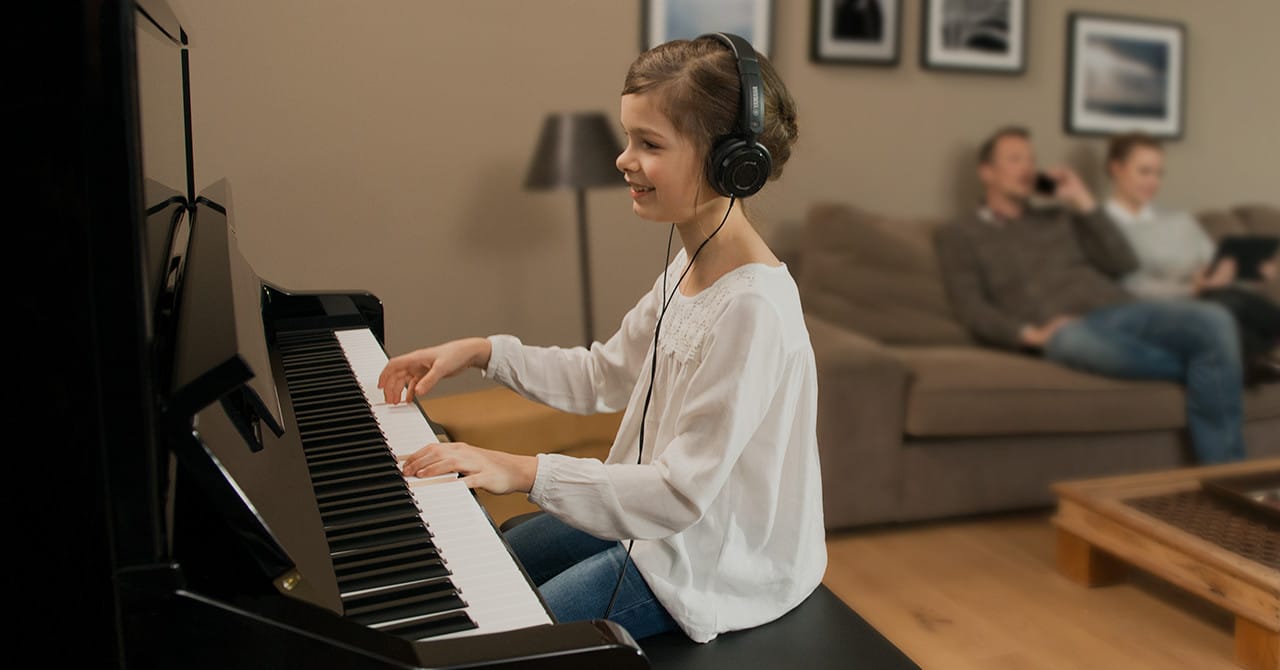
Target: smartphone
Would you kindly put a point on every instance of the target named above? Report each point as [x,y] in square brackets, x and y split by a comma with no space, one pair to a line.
[1045,185]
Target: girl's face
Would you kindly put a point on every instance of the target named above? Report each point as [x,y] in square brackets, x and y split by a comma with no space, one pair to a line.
[663,167]
[1136,179]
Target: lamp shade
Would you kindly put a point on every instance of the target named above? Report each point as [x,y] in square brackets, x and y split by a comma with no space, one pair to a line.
[575,150]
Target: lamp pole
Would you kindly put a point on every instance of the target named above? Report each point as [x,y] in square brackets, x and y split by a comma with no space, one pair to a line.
[584,268]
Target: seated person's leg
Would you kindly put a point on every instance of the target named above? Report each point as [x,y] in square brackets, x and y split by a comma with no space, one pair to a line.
[1107,342]
[547,546]
[1189,341]
[582,593]
[1215,376]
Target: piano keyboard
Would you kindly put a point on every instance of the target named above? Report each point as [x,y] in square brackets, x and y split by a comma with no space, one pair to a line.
[413,557]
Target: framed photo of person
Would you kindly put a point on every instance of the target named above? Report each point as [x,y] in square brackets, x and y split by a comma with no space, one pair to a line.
[665,20]
[856,31]
[988,36]
[1124,74]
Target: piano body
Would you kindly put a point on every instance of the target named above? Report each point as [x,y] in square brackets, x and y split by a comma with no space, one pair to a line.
[241,479]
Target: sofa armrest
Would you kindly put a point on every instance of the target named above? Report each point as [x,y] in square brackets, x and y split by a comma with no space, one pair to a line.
[862,390]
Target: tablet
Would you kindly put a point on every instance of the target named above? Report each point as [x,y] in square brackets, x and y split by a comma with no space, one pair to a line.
[1249,251]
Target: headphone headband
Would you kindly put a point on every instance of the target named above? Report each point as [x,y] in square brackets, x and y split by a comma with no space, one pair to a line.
[738,165]
[751,115]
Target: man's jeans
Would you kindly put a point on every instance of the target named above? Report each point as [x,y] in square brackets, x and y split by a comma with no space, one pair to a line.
[1189,341]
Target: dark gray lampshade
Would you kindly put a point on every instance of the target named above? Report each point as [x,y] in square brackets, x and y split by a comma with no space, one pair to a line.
[575,150]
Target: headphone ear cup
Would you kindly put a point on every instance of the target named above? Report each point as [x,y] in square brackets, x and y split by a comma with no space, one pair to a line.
[738,168]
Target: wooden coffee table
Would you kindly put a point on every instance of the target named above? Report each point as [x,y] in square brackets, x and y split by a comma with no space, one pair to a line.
[1166,524]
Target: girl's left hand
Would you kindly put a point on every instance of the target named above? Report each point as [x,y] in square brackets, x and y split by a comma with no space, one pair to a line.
[497,472]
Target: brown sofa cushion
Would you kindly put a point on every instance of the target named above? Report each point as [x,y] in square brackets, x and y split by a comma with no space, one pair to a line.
[876,275]
[967,391]
[1251,219]
[1259,219]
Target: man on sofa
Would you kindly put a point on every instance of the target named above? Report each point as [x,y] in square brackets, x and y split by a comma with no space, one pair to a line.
[1044,279]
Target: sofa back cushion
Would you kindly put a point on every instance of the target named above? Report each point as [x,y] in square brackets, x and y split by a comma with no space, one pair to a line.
[1248,219]
[876,275]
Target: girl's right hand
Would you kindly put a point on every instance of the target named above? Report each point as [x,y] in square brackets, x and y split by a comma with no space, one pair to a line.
[420,370]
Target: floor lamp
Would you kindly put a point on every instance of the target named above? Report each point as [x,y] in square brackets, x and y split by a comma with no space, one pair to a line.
[576,150]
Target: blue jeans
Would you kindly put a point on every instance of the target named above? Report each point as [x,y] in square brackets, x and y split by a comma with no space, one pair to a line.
[1190,341]
[576,573]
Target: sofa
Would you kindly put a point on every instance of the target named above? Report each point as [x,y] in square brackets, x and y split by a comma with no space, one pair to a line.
[918,421]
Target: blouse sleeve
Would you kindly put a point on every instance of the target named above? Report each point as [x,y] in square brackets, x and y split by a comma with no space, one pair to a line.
[725,401]
[577,379]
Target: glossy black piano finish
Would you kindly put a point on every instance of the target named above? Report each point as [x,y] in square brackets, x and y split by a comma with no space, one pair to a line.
[191,528]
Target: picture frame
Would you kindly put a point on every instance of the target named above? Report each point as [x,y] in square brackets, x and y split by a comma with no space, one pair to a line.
[665,20]
[866,32]
[1125,74]
[985,36]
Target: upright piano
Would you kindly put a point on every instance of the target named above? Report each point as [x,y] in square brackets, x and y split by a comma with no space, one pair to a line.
[239,501]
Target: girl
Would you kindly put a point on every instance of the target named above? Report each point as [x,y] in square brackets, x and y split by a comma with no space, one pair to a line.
[713,477]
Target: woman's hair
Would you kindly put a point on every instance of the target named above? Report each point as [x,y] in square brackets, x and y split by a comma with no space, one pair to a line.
[699,89]
[1119,147]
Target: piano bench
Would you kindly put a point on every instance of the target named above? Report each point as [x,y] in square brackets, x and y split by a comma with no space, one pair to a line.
[822,632]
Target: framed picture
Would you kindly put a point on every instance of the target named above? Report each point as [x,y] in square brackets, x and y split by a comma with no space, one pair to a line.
[856,31]
[1124,74]
[976,35]
[665,20]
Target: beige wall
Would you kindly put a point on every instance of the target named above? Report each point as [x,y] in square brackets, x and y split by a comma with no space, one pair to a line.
[381,145]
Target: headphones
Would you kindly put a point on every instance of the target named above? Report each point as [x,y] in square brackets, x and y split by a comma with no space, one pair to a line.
[737,165]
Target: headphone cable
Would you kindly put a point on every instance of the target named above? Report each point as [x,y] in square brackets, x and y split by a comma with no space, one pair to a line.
[653,367]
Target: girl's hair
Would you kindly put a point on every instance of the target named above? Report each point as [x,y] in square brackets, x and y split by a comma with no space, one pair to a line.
[1120,146]
[699,90]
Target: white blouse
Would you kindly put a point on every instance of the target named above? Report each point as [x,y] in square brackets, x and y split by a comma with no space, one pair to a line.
[725,504]
[1170,246]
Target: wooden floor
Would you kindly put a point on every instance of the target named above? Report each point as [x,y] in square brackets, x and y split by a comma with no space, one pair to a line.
[984,594]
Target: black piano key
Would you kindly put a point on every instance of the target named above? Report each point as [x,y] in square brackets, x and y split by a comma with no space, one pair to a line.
[335,398]
[334,447]
[384,479]
[432,626]
[355,556]
[338,440]
[350,413]
[322,459]
[369,463]
[339,505]
[403,572]
[327,425]
[360,559]
[376,533]
[369,512]
[402,602]
[371,516]
[348,492]
[302,358]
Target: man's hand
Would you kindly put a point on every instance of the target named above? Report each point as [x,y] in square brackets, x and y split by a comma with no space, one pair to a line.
[1072,190]
[1038,336]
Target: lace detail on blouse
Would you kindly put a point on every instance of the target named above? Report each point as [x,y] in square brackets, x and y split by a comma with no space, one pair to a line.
[688,320]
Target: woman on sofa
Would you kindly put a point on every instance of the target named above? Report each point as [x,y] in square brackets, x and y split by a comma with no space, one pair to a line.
[1175,254]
